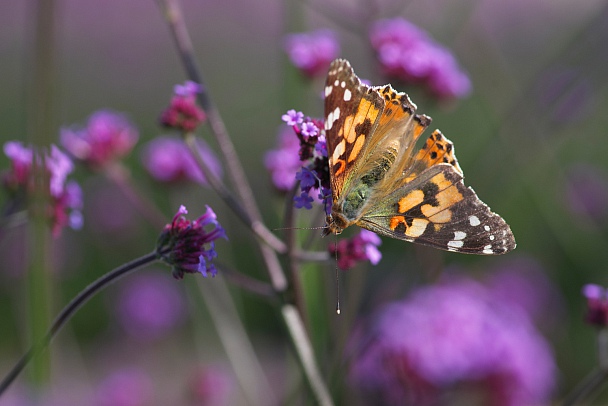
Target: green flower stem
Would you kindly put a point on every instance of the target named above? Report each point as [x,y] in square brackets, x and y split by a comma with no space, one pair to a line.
[69,310]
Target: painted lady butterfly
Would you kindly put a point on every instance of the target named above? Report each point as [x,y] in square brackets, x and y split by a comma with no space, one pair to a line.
[380,182]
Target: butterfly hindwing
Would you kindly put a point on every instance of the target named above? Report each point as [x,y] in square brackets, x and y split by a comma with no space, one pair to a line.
[438,210]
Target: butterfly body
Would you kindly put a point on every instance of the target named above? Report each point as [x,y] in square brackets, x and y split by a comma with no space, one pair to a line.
[382,183]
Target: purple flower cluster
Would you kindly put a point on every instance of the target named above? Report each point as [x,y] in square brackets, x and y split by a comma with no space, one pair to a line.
[65,204]
[362,247]
[312,52]
[168,159]
[313,175]
[408,53]
[183,113]
[597,305]
[187,246]
[448,335]
[107,136]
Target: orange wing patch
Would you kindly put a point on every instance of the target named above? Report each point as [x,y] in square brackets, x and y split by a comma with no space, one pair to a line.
[437,149]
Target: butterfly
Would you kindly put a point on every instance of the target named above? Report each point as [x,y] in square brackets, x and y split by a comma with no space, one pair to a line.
[380,180]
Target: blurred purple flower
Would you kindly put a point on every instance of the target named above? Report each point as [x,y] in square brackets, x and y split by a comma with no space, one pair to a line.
[587,191]
[108,136]
[452,335]
[312,52]
[21,163]
[168,159]
[65,199]
[149,306]
[187,247]
[361,247]
[597,305]
[211,386]
[188,89]
[183,112]
[409,54]
[125,387]
[283,162]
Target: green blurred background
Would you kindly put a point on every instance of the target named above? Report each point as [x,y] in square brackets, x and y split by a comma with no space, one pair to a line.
[539,73]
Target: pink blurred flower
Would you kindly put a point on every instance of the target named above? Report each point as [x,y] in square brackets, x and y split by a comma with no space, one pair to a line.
[183,112]
[65,204]
[108,136]
[452,335]
[312,52]
[168,159]
[408,53]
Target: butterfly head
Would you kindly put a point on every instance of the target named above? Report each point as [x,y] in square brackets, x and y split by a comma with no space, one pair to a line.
[336,223]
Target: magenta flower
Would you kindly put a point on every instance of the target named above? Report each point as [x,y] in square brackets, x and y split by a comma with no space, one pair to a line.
[361,247]
[189,246]
[312,52]
[125,387]
[407,53]
[597,305]
[453,335]
[183,112]
[150,306]
[108,136]
[169,160]
[65,203]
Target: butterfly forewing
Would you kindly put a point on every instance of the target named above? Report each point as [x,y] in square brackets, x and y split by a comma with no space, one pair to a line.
[381,183]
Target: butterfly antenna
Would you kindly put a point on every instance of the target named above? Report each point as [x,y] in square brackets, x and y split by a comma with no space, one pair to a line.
[337,277]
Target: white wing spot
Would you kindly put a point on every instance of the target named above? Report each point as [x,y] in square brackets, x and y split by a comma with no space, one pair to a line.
[339,150]
[487,228]
[347,95]
[459,235]
[336,83]
[491,238]
[331,118]
[455,244]
[487,250]
[343,84]
[474,221]
[328,90]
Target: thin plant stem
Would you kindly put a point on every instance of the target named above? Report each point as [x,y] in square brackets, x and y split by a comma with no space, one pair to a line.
[229,199]
[237,344]
[171,10]
[69,310]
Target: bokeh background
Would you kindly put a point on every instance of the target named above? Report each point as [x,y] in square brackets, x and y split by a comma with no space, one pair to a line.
[530,138]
